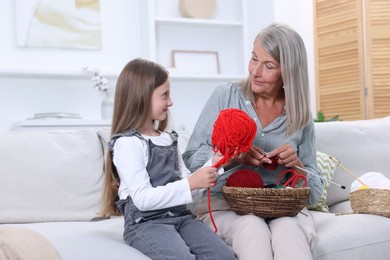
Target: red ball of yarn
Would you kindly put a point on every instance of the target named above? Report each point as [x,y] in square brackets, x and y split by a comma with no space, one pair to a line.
[233,133]
[245,179]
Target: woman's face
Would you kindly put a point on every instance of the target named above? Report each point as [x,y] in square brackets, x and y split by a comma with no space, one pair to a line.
[264,71]
[161,101]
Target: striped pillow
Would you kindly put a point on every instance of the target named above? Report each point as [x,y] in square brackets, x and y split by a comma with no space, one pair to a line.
[327,168]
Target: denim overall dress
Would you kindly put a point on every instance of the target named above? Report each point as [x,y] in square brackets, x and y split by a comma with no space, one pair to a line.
[154,232]
[162,168]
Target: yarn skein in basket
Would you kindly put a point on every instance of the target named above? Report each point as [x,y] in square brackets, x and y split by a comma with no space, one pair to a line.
[233,133]
[245,179]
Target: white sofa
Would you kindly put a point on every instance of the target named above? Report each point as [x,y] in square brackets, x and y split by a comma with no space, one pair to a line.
[51,183]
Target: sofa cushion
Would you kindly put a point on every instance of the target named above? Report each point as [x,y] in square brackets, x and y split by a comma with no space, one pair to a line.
[327,168]
[361,146]
[341,207]
[351,236]
[97,240]
[50,176]
[104,137]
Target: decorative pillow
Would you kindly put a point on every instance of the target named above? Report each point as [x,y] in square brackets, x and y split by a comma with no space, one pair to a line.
[104,137]
[327,168]
[50,176]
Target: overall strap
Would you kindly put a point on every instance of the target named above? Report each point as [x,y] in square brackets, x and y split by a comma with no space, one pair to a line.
[112,141]
[133,132]
[116,136]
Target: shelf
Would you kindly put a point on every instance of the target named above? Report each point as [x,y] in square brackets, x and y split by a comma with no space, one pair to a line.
[74,74]
[219,77]
[64,122]
[225,33]
[49,73]
[55,124]
[195,22]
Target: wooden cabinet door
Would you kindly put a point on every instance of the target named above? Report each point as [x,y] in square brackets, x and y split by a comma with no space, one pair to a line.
[378,57]
[340,68]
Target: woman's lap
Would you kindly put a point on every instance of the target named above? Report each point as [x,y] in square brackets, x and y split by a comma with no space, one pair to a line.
[252,237]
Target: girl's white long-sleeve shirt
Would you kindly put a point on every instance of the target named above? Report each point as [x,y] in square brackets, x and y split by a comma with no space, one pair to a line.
[131,158]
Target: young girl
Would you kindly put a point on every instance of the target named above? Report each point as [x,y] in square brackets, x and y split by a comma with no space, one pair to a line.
[146,179]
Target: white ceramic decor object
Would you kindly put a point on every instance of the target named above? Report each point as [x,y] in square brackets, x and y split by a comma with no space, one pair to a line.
[107,106]
[200,9]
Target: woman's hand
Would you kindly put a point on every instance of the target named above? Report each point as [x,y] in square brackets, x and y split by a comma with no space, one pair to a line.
[286,155]
[255,156]
[203,178]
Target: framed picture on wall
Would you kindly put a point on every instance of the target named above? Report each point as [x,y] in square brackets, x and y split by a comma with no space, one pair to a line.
[195,62]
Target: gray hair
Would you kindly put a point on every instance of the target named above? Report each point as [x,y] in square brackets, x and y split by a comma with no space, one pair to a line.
[286,46]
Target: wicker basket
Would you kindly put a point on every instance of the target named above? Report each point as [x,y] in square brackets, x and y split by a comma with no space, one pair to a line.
[266,202]
[371,201]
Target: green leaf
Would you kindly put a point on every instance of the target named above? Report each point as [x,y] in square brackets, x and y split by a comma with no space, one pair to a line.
[320,117]
[335,118]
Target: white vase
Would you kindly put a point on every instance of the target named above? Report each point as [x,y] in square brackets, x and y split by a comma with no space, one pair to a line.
[107,105]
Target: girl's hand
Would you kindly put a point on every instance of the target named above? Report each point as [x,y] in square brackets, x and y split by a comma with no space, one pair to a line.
[203,178]
[216,158]
[255,156]
[286,155]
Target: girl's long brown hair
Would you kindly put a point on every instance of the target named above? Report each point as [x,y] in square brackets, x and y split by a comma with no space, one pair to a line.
[133,92]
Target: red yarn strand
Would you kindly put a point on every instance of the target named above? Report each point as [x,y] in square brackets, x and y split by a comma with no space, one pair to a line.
[209,210]
[233,134]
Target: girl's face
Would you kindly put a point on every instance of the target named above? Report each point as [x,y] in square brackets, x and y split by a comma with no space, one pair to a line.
[264,71]
[161,101]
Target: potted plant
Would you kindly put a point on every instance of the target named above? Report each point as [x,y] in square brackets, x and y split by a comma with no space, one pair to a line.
[321,117]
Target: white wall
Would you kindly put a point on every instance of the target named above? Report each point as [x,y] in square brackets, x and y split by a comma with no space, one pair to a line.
[299,15]
[34,80]
[119,39]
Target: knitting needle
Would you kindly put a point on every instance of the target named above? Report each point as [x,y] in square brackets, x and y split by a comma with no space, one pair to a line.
[335,183]
[348,171]
[231,170]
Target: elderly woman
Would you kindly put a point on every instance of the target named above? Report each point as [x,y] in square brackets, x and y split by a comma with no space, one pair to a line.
[276,96]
